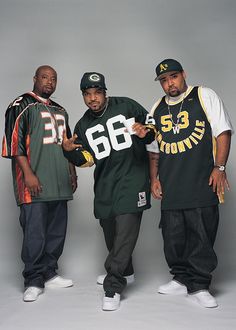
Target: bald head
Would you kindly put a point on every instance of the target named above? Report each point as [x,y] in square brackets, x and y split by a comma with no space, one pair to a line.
[44,67]
[45,81]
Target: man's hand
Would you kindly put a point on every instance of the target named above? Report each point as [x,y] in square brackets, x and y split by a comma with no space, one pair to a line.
[218,181]
[140,130]
[33,184]
[74,183]
[156,189]
[31,180]
[73,177]
[68,144]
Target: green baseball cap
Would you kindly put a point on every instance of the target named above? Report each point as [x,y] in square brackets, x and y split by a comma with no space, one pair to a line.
[92,80]
[167,65]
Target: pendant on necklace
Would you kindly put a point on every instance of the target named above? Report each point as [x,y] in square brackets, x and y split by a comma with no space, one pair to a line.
[175,128]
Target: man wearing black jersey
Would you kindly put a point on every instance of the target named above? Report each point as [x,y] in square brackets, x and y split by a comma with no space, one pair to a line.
[121,186]
[43,180]
[188,175]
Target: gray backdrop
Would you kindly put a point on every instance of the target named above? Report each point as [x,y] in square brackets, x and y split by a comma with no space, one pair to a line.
[124,40]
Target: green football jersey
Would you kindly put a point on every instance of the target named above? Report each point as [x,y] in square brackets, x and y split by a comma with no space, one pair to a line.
[34,129]
[121,176]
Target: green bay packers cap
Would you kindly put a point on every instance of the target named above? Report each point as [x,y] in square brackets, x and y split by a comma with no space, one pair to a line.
[92,80]
[166,66]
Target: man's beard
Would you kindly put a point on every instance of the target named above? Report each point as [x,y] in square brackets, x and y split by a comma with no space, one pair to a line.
[174,93]
[46,95]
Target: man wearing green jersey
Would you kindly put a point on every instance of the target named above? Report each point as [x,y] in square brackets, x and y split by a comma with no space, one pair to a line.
[43,180]
[122,188]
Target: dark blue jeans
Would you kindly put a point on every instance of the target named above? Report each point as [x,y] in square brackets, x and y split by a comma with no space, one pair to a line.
[44,229]
[189,236]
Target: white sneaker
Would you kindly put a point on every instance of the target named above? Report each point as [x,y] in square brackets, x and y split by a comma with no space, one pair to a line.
[111,301]
[32,293]
[203,298]
[130,279]
[173,288]
[58,282]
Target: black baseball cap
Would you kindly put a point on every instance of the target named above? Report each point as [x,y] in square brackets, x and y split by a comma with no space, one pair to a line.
[167,65]
[92,80]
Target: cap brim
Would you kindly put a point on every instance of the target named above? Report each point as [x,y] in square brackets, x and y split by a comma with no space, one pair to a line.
[164,73]
[93,86]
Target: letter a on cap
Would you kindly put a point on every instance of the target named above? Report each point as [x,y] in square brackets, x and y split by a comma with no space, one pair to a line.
[163,67]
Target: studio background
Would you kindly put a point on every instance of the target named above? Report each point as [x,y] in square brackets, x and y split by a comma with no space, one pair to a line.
[124,40]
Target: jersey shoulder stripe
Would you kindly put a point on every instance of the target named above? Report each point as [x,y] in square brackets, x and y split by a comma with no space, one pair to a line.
[155,105]
[12,115]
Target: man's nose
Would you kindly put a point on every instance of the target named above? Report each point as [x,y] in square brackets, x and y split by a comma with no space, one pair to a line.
[93,97]
[170,82]
[50,80]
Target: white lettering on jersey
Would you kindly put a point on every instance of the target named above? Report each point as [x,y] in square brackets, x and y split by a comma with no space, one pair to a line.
[149,120]
[101,141]
[101,145]
[54,129]
[16,102]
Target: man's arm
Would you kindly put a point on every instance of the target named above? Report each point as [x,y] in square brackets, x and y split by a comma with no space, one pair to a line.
[155,183]
[74,152]
[31,180]
[218,179]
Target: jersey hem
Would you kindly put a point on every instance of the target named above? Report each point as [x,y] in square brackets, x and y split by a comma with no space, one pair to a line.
[46,200]
[190,205]
[123,212]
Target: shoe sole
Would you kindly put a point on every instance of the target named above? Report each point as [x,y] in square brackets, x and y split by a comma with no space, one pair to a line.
[196,301]
[109,308]
[54,286]
[32,300]
[173,293]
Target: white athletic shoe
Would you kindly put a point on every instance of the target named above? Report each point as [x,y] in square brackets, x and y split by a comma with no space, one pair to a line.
[111,301]
[203,298]
[100,279]
[58,282]
[173,288]
[32,293]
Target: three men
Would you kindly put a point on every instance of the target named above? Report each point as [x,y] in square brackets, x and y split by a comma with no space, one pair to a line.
[194,133]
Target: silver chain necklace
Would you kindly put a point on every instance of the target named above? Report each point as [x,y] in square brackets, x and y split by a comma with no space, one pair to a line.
[175,126]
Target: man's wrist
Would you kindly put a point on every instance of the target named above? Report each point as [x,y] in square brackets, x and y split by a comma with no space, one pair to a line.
[221,168]
[74,176]
[154,179]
